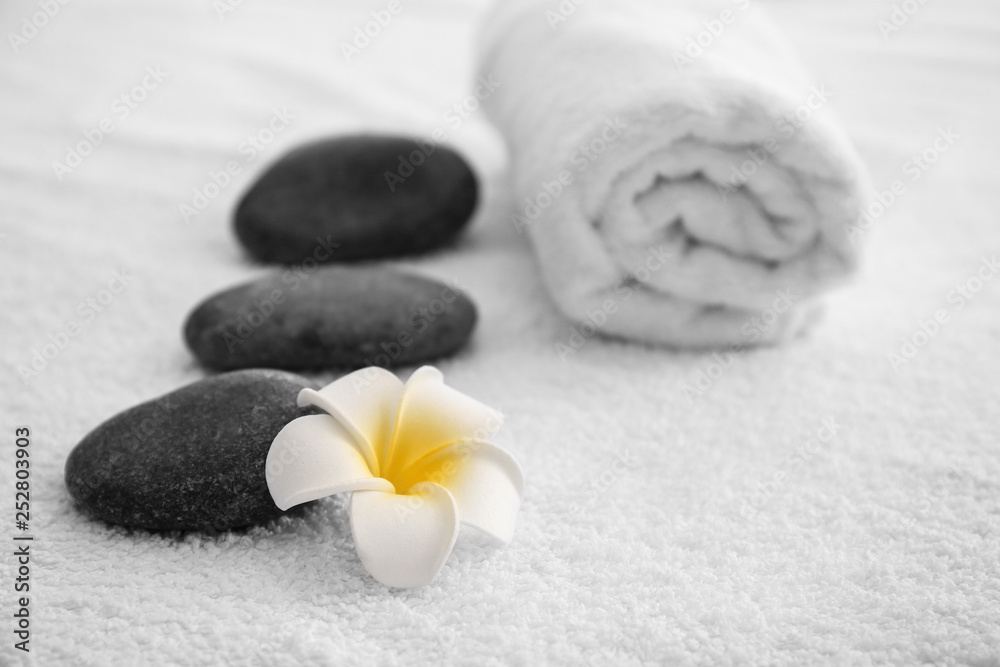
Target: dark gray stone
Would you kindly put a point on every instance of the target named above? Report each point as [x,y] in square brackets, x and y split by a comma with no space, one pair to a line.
[332,317]
[192,459]
[357,197]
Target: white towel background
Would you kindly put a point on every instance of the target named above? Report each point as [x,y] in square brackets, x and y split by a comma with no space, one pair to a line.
[881,547]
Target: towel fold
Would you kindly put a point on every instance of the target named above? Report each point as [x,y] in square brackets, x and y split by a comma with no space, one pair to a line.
[680,178]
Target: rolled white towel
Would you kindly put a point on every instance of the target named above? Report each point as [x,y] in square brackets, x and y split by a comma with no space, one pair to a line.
[678,174]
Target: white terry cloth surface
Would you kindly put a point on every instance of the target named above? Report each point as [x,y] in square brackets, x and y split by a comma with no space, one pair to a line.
[880,547]
[672,165]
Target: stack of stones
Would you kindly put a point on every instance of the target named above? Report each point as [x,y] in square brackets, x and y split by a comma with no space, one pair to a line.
[194,458]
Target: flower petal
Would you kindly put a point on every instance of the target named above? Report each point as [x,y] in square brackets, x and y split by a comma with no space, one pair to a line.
[485,480]
[365,403]
[313,457]
[432,415]
[404,540]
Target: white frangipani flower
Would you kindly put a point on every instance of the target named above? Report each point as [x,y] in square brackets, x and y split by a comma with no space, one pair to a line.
[417,459]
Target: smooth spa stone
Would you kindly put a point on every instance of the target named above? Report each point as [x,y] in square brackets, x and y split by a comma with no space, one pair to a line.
[356,198]
[330,317]
[192,459]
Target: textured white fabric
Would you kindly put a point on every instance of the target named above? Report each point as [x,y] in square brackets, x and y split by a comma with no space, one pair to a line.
[673,166]
[630,546]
